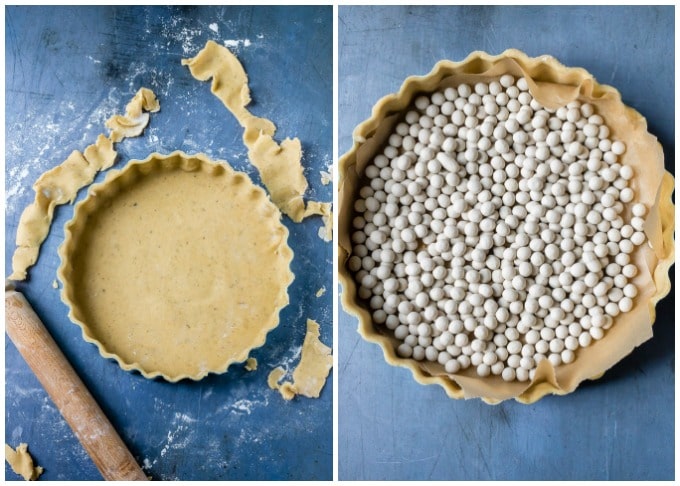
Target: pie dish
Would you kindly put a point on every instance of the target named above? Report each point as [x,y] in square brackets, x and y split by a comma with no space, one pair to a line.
[553,85]
[176,266]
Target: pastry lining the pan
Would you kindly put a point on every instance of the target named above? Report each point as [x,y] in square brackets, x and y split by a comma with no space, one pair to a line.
[553,85]
[176,266]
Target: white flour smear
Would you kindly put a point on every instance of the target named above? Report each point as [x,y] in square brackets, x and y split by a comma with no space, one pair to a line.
[46,136]
[179,437]
[245,406]
[174,30]
[235,44]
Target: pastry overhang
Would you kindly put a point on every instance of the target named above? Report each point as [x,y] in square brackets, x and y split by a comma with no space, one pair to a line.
[176,266]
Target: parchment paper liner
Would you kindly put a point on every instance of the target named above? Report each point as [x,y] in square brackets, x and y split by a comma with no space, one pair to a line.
[553,85]
[117,180]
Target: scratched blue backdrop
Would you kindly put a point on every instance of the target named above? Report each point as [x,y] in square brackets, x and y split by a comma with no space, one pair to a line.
[67,71]
[619,427]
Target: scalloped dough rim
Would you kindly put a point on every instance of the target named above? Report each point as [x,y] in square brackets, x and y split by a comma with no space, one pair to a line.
[573,82]
[202,161]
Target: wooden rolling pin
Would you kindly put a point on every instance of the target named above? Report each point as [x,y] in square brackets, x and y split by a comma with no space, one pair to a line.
[76,404]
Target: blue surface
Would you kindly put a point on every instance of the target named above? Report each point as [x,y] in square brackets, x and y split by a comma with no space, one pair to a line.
[619,427]
[67,71]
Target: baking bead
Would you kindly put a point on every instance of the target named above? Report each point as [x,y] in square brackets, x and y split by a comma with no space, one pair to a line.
[493,233]
[618,147]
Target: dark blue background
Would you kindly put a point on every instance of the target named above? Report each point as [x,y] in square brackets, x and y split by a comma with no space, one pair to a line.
[619,427]
[67,71]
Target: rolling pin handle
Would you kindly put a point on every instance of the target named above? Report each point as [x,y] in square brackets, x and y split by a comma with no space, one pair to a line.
[68,392]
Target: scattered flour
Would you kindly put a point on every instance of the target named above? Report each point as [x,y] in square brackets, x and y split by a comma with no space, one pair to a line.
[152,135]
[288,362]
[155,78]
[184,418]
[16,434]
[214,27]
[190,38]
[15,183]
[178,438]
[235,44]
[114,103]
[34,155]
[246,406]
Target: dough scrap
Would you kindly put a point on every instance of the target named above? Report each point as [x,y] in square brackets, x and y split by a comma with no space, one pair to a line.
[274,377]
[324,210]
[60,184]
[310,374]
[251,364]
[135,120]
[22,462]
[327,175]
[321,291]
[279,165]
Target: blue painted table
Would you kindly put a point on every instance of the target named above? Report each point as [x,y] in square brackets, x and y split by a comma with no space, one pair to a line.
[67,71]
[619,427]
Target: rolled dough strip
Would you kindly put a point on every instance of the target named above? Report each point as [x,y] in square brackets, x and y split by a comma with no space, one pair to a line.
[310,374]
[279,165]
[21,462]
[60,184]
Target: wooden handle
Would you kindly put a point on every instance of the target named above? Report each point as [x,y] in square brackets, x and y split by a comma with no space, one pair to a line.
[76,404]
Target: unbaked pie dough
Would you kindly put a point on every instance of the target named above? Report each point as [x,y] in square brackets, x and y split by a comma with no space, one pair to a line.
[21,462]
[60,185]
[310,374]
[176,266]
[279,165]
[251,364]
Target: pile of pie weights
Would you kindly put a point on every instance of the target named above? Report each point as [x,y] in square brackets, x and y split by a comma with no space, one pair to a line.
[492,233]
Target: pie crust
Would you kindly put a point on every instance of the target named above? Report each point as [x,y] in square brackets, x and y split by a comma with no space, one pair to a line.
[553,85]
[176,266]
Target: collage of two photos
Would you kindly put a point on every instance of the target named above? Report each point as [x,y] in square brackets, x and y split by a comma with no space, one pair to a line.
[339,243]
